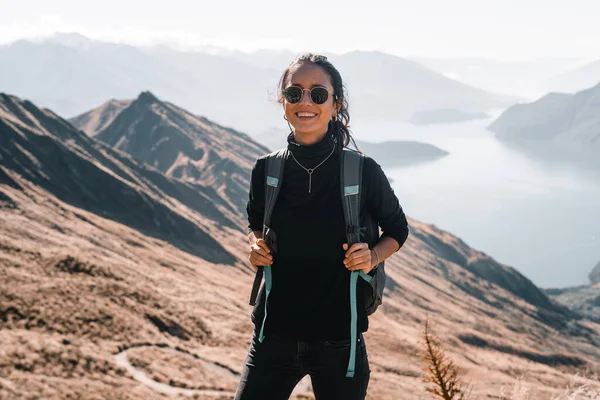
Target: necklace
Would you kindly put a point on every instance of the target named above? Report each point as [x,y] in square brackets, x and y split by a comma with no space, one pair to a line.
[311,170]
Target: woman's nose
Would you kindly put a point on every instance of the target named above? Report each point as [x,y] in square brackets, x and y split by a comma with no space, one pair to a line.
[305,96]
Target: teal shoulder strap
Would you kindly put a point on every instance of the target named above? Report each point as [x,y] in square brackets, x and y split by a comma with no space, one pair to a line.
[273,180]
[275,163]
[351,177]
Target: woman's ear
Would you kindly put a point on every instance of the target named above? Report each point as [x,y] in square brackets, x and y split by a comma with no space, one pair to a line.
[337,106]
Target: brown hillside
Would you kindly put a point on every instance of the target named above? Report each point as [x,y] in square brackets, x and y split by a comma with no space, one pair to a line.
[89,299]
[179,144]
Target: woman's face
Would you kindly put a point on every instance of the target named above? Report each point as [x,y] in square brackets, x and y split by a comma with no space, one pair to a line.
[306,117]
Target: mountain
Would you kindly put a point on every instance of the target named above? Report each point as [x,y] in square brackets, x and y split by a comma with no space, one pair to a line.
[48,152]
[99,118]
[388,154]
[595,274]
[237,90]
[527,78]
[177,143]
[584,299]
[386,87]
[73,79]
[559,125]
[113,285]
[577,78]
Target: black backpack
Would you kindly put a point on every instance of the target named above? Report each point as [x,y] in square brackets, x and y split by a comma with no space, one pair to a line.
[357,226]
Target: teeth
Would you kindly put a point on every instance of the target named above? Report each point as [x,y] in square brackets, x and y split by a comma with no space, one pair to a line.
[306,114]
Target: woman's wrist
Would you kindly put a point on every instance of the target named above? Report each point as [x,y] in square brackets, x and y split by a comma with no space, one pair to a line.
[376,259]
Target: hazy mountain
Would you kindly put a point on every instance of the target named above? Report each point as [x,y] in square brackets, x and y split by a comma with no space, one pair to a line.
[430,117]
[595,274]
[72,75]
[177,143]
[528,79]
[584,299]
[89,294]
[96,120]
[559,125]
[376,77]
[73,79]
[385,87]
[577,78]
[388,154]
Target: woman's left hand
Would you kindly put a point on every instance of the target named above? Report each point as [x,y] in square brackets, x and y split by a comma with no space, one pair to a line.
[358,257]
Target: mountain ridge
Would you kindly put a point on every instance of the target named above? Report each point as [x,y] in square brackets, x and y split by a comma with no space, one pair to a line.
[205,82]
[178,143]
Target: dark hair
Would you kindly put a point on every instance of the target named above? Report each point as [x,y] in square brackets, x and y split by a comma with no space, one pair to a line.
[340,131]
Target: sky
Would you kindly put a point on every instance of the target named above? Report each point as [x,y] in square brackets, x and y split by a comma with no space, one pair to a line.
[497,29]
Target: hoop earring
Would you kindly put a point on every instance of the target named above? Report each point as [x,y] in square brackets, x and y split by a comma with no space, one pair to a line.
[335,118]
[284,117]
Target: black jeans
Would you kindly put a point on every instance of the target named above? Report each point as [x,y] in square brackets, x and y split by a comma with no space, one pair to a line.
[274,367]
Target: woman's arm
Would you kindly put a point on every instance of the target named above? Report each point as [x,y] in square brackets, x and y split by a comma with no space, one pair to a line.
[383,205]
[260,254]
[383,250]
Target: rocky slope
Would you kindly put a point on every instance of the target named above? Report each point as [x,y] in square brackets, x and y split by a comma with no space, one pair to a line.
[86,292]
[47,151]
[177,143]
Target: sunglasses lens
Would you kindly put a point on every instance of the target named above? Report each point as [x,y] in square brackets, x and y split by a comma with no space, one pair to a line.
[319,95]
[293,94]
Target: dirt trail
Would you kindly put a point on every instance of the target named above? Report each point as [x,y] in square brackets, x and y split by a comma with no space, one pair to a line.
[304,386]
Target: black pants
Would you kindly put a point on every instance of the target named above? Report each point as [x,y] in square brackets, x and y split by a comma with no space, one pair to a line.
[274,367]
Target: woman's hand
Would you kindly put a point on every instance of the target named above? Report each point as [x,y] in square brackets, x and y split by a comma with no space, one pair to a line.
[260,254]
[358,257]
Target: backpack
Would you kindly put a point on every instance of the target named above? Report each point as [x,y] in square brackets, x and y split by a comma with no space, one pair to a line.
[356,225]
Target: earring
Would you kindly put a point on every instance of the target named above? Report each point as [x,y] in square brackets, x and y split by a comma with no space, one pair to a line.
[284,117]
[335,118]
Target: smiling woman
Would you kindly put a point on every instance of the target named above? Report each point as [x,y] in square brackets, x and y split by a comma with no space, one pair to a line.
[307,321]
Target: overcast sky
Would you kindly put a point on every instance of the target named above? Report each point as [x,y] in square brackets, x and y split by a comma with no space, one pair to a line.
[500,29]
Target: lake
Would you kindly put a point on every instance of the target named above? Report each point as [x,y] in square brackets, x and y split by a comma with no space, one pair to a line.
[542,219]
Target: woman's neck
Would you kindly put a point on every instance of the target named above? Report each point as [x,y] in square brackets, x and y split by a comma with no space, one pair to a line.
[307,139]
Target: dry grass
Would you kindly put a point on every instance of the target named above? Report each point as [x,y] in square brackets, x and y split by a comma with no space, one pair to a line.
[444,380]
[522,390]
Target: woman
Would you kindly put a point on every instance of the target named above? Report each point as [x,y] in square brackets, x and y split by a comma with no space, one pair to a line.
[306,331]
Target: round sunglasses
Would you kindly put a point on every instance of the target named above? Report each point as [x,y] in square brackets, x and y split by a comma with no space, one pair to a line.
[318,95]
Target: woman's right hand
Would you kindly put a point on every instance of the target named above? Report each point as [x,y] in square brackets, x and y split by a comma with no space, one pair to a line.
[260,254]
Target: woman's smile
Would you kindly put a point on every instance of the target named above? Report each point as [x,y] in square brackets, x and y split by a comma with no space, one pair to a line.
[305,115]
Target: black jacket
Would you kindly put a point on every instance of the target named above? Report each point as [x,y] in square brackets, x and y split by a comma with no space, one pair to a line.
[309,297]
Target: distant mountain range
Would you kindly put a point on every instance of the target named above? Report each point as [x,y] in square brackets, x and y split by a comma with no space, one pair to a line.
[560,126]
[528,79]
[72,74]
[106,258]
[580,77]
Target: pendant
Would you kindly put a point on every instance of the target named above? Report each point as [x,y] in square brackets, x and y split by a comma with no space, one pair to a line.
[310,171]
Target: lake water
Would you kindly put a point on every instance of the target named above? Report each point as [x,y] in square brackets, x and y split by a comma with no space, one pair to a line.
[543,220]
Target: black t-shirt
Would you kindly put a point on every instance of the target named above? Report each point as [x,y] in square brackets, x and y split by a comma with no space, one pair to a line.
[310,295]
